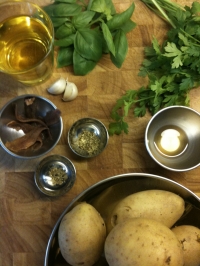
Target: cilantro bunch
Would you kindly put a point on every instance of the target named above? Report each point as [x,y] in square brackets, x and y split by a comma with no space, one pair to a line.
[84,32]
[172,68]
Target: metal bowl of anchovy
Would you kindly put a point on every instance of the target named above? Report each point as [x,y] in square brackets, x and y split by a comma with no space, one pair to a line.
[30,126]
[88,137]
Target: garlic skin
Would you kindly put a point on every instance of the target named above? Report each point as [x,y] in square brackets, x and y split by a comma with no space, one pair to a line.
[71,92]
[57,87]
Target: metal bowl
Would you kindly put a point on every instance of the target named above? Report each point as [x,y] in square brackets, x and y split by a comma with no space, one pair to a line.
[55,175]
[172,138]
[8,134]
[105,194]
[88,137]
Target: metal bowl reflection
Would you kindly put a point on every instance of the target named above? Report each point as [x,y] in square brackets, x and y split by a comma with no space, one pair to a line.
[105,194]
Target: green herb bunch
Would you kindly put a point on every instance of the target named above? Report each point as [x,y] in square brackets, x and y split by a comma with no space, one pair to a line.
[172,68]
[84,32]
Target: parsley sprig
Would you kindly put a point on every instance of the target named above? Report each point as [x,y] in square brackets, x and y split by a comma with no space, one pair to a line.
[172,68]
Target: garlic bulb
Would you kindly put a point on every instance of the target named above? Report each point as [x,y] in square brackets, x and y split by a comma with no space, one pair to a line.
[57,87]
[71,92]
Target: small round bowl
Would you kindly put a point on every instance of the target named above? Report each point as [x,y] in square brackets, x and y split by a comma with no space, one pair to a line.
[7,114]
[172,138]
[88,137]
[55,175]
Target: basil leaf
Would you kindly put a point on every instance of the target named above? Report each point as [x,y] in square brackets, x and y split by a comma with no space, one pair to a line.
[67,41]
[49,10]
[121,48]
[81,65]
[82,20]
[58,21]
[118,20]
[88,43]
[111,6]
[103,6]
[66,10]
[108,37]
[105,47]
[89,4]
[128,26]
[64,30]
[65,56]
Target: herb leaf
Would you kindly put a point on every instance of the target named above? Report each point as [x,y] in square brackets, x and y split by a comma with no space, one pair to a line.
[103,6]
[82,66]
[65,30]
[129,25]
[173,51]
[83,19]
[117,127]
[172,68]
[65,56]
[67,41]
[88,43]
[108,38]
[57,21]
[121,48]
[67,10]
[83,26]
[117,21]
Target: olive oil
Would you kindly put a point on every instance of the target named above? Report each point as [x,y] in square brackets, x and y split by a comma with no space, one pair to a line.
[171,141]
[24,43]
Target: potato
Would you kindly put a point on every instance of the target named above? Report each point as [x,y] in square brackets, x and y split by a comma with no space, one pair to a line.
[189,237]
[141,242]
[161,205]
[81,235]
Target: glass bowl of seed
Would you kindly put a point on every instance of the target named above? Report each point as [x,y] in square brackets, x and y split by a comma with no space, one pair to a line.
[55,175]
[88,137]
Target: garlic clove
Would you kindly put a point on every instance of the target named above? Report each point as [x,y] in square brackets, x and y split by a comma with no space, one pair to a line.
[57,87]
[71,92]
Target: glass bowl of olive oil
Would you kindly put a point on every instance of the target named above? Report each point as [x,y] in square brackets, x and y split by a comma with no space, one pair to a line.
[26,42]
[172,138]
[88,137]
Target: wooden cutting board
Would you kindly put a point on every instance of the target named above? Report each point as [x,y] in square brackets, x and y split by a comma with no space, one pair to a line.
[26,216]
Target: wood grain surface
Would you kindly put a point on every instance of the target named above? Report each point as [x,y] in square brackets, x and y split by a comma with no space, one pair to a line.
[26,216]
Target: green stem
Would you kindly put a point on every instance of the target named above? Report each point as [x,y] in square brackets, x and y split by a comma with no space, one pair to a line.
[170,7]
[96,20]
[191,37]
[143,99]
[89,4]
[162,12]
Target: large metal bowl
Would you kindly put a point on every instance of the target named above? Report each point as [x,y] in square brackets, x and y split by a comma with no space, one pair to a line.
[105,194]
[8,134]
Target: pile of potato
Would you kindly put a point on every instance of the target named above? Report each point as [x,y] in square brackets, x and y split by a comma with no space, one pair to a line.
[138,232]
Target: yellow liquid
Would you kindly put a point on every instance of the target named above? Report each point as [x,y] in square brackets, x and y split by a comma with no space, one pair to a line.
[180,145]
[24,42]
